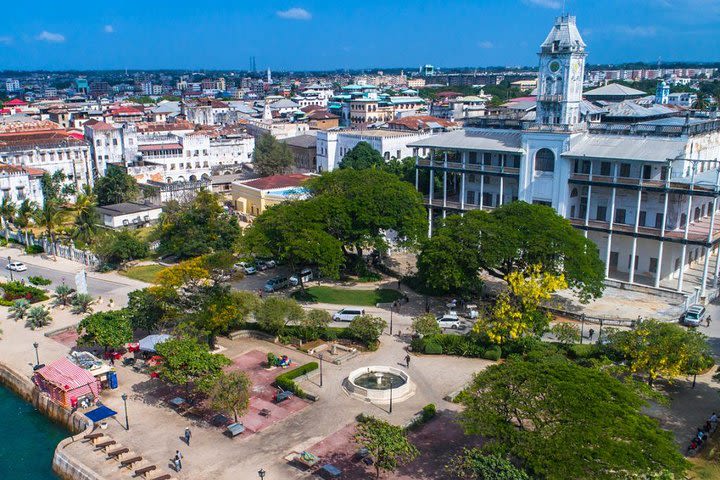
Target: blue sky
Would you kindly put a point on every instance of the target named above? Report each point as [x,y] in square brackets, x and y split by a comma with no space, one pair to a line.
[323,34]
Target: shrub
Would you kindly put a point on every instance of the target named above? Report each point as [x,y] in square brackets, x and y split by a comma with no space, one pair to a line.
[34,249]
[15,290]
[39,281]
[285,381]
[37,317]
[433,348]
[417,344]
[492,353]
[578,351]
[428,412]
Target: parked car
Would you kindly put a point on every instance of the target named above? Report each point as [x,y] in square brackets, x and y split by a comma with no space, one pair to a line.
[275,284]
[16,266]
[305,275]
[347,314]
[260,266]
[264,264]
[245,268]
[694,316]
[449,321]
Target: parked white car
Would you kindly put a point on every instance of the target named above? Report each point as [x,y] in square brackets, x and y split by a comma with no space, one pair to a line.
[16,266]
[305,275]
[348,314]
[246,268]
[449,321]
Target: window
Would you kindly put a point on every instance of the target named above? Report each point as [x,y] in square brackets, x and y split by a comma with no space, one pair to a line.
[630,261]
[114,141]
[487,199]
[619,215]
[605,169]
[487,158]
[574,193]
[544,160]
[646,172]
[601,213]
[658,220]
[471,178]
[472,158]
[470,197]
[653,265]
[572,211]
[643,217]
[624,169]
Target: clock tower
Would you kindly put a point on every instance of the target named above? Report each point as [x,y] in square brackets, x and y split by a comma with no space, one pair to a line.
[560,75]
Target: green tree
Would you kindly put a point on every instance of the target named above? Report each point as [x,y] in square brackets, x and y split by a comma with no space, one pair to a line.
[38,317]
[152,308]
[275,313]
[362,156]
[52,187]
[116,186]
[565,421]
[511,238]
[222,310]
[702,102]
[565,333]
[116,247]
[230,392]
[63,295]
[187,361]
[272,157]
[82,303]
[19,308]
[23,216]
[404,169]
[86,218]
[426,325]
[388,444]
[367,329]
[110,329]
[314,323]
[659,349]
[7,213]
[51,217]
[474,464]
[197,227]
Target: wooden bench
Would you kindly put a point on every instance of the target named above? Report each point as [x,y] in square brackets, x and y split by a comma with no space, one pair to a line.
[93,436]
[166,476]
[130,461]
[144,470]
[117,452]
[106,443]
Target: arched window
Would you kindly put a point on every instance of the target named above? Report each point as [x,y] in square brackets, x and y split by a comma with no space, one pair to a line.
[574,193]
[544,160]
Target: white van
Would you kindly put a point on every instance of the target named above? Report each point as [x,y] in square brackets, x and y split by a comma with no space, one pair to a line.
[348,314]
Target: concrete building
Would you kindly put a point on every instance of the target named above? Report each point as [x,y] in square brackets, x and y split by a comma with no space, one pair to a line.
[21,183]
[251,197]
[646,193]
[129,214]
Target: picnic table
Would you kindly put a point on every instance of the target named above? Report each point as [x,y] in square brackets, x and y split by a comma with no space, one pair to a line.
[179,402]
[307,459]
[235,429]
[282,396]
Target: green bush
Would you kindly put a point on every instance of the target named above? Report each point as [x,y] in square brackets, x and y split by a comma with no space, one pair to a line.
[16,290]
[428,412]
[433,348]
[38,280]
[492,353]
[417,344]
[285,381]
[34,249]
[577,351]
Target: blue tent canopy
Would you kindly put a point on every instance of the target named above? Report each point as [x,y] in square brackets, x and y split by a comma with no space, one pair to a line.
[100,413]
[148,343]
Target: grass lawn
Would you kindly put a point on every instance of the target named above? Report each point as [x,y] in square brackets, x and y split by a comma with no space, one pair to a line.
[144,273]
[347,296]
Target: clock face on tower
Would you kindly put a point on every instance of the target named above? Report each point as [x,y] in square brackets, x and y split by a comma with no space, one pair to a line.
[554,66]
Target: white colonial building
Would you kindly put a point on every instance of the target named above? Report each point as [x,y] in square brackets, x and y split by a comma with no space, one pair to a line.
[646,193]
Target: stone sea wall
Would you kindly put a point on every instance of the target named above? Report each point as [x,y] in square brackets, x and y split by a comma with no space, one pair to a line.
[64,465]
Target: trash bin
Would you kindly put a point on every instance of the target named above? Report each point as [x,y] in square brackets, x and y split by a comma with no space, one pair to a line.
[112,380]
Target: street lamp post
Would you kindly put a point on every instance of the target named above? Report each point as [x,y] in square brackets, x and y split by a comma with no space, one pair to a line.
[391,395]
[12,279]
[127,423]
[582,327]
[37,356]
[261,473]
[320,356]
[392,305]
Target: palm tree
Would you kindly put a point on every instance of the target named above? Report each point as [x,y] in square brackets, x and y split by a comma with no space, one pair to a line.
[50,217]
[23,216]
[701,103]
[7,212]
[19,308]
[38,317]
[82,303]
[86,217]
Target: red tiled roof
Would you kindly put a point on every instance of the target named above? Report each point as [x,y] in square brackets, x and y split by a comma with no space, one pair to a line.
[321,115]
[15,102]
[419,122]
[98,125]
[33,172]
[277,181]
[160,146]
[126,110]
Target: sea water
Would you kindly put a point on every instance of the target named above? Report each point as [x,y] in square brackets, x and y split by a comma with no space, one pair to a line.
[27,440]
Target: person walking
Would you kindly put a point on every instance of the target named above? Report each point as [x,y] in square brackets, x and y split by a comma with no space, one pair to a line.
[708,320]
[188,434]
[407,361]
[178,460]
[591,333]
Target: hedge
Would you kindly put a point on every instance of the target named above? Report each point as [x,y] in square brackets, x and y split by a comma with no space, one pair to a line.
[15,290]
[285,381]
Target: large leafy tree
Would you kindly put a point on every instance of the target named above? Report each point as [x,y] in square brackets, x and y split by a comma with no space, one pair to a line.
[511,238]
[24,215]
[367,329]
[362,156]
[426,324]
[230,392]
[115,187]
[7,212]
[198,227]
[116,247]
[659,349]
[110,329]
[565,421]
[51,216]
[272,157]
[276,312]
[86,225]
[474,464]
[187,361]
[153,308]
[388,444]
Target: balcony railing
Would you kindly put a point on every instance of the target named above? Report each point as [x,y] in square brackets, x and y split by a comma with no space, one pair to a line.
[453,204]
[642,182]
[697,232]
[470,167]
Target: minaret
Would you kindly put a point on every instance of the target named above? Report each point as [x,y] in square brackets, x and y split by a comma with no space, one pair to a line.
[561,73]
[662,93]
[267,113]
[269,77]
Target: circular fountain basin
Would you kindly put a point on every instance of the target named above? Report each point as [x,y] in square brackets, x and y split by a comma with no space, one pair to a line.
[378,383]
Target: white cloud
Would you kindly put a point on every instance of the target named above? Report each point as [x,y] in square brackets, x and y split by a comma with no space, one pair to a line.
[51,37]
[486,44]
[294,14]
[554,4]
[108,29]
[636,31]
[6,39]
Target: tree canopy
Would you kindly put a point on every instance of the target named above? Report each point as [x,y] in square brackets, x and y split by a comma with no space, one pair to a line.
[511,238]
[230,392]
[565,421]
[116,186]
[197,227]
[474,464]
[110,329]
[116,247]
[186,361]
[388,444]
[362,156]
[272,157]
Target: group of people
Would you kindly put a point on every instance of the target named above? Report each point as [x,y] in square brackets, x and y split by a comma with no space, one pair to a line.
[703,433]
[177,459]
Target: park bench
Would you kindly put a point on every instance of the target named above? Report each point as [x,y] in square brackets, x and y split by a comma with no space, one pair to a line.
[93,436]
[282,396]
[235,429]
[144,470]
[117,452]
[106,443]
[330,471]
[165,476]
[130,461]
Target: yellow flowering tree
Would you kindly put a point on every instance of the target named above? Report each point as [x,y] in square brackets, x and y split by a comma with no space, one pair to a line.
[517,312]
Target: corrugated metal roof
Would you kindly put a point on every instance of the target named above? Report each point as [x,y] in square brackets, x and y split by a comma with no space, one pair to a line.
[476,139]
[614,90]
[624,147]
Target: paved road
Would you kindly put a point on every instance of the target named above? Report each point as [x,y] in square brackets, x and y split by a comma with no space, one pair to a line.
[96,287]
